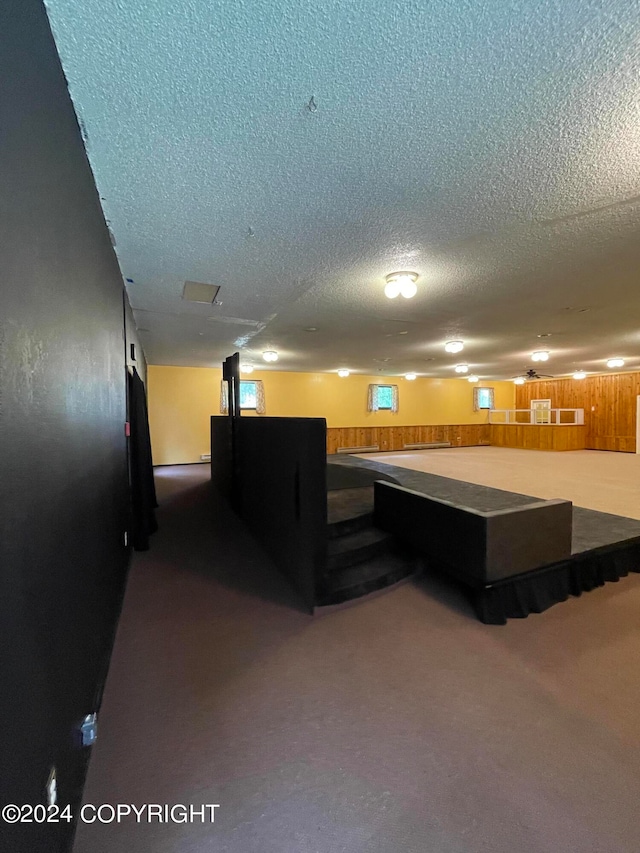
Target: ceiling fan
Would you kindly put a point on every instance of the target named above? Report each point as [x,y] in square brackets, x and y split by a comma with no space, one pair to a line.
[532,373]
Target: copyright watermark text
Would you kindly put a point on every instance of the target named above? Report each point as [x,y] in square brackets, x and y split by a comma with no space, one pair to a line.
[107,813]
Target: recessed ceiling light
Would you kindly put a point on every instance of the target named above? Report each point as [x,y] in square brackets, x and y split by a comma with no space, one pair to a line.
[540,355]
[401,283]
[615,362]
[454,346]
[343,372]
[579,374]
[270,355]
[544,335]
[246,368]
[311,329]
[519,380]
[473,378]
[462,368]
[410,376]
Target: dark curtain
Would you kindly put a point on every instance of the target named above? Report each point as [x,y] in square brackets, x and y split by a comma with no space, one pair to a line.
[143,490]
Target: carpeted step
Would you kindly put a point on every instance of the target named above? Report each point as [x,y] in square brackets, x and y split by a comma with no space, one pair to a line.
[344,503]
[352,582]
[357,547]
[349,525]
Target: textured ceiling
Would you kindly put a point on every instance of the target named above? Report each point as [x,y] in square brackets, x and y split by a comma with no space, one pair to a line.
[494,148]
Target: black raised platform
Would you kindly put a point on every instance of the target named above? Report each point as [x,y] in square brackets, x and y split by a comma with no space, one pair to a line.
[604,547]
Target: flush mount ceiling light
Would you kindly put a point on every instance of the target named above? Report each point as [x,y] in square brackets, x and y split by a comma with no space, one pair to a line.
[454,346]
[410,376]
[519,380]
[270,355]
[343,372]
[540,355]
[462,368]
[615,362]
[246,368]
[401,284]
[579,374]
[473,378]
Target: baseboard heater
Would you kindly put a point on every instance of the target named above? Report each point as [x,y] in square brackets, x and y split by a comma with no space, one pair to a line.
[372,448]
[426,446]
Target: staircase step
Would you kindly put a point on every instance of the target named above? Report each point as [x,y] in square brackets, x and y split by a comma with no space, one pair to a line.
[355,581]
[357,547]
[349,525]
[347,503]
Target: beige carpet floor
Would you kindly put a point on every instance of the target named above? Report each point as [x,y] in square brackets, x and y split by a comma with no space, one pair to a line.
[595,479]
[398,725]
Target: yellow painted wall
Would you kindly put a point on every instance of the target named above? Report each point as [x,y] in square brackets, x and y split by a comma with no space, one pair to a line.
[182,399]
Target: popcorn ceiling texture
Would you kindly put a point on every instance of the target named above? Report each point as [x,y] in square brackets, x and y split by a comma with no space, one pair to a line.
[468,141]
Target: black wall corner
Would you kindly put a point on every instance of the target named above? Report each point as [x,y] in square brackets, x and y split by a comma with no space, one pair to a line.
[63,469]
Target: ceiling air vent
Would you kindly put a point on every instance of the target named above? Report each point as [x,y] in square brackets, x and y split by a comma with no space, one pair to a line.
[195,291]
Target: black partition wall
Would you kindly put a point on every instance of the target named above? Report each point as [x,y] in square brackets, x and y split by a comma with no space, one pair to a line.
[280,489]
[63,469]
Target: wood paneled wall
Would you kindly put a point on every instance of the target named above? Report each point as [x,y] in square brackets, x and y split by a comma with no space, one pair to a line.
[538,437]
[608,400]
[395,438]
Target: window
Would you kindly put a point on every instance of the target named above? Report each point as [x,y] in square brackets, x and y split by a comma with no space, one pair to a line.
[385,396]
[482,398]
[382,398]
[247,395]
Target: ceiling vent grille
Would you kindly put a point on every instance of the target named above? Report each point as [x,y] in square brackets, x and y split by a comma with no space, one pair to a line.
[196,291]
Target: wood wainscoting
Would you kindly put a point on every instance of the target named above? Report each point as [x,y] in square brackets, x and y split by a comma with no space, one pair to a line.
[608,400]
[395,438]
[538,436]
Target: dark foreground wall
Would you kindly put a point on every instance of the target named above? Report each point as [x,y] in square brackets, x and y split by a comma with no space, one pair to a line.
[279,490]
[63,473]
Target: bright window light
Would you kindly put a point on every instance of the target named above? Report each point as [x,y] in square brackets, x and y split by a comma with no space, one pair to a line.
[247,394]
[385,396]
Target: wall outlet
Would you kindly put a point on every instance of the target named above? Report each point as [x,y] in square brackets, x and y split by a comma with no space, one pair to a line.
[51,789]
[205,457]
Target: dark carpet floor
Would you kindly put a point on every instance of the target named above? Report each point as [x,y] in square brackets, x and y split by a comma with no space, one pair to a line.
[400,724]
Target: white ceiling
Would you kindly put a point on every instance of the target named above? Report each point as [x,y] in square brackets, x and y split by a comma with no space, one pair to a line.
[494,148]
